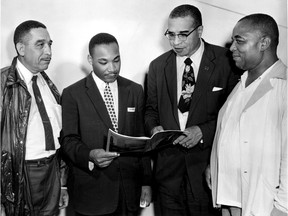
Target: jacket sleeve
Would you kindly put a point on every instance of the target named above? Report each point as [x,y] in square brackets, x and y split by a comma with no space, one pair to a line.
[151,111]
[71,143]
[145,160]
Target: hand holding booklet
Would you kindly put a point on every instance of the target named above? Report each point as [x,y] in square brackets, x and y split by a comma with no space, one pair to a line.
[128,144]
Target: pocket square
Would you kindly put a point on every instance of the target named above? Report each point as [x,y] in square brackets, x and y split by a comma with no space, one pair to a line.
[216,89]
[131,109]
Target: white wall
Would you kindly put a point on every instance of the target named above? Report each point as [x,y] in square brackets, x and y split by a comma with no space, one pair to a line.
[137,24]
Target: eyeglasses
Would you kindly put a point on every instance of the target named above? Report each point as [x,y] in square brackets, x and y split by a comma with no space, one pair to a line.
[181,36]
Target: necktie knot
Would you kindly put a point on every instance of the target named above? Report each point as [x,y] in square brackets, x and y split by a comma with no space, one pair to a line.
[34,78]
[188,61]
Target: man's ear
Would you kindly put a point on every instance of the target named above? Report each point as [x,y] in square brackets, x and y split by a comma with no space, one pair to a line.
[89,58]
[265,43]
[200,31]
[20,47]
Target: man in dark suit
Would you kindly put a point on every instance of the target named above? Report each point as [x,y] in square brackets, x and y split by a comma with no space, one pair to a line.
[100,182]
[207,80]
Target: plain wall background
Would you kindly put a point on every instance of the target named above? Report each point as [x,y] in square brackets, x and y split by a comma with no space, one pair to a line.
[138,25]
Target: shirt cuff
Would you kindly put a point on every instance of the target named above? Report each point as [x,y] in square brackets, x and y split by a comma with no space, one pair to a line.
[90,165]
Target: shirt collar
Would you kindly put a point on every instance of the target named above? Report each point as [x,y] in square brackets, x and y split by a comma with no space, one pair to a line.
[101,84]
[25,74]
[263,75]
[196,57]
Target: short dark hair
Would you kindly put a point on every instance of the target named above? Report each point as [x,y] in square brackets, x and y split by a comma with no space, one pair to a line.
[101,38]
[266,25]
[187,10]
[24,28]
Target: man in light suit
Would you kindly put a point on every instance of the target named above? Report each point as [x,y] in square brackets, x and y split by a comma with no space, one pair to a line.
[179,169]
[249,155]
[100,182]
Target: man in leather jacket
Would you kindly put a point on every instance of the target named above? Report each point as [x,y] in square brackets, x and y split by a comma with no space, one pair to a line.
[28,166]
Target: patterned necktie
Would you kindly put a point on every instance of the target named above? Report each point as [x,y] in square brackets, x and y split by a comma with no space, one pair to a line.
[108,98]
[188,82]
[49,138]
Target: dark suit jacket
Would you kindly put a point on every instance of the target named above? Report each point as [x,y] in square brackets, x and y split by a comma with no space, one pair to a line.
[161,109]
[85,127]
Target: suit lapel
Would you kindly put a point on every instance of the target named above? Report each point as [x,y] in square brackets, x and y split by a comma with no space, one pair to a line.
[97,100]
[278,71]
[260,91]
[170,72]
[206,69]
[123,95]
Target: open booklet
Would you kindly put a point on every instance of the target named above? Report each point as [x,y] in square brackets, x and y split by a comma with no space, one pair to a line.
[128,144]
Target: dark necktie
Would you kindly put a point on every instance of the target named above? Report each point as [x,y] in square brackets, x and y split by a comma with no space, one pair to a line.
[108,98]
[49,138]
[188,82]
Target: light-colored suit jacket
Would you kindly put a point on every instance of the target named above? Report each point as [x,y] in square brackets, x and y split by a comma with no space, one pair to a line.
[263,146]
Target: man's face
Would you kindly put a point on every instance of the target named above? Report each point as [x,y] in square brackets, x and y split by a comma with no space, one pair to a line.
[246,46]
[184,25]
[106,62]
[35,50]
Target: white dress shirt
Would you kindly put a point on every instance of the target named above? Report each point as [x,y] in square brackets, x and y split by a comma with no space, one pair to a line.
[35,140]
[114,89]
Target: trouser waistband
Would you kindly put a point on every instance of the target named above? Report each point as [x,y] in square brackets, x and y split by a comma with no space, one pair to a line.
[40,161]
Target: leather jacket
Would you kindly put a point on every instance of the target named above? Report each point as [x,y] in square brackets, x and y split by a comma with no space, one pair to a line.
[15,109]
